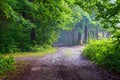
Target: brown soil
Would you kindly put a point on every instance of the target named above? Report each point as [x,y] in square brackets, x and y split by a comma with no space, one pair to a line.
[67,64]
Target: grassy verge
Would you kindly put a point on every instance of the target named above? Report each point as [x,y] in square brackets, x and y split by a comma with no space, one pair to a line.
[32,54]
[17,70]
[104,53]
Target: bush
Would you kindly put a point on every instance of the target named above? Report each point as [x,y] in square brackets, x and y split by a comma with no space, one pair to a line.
[104,53]
[8,46]
[6,64]
[37,48]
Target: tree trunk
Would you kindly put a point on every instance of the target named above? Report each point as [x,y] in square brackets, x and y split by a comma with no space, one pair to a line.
[33,34]
[80,41]
[80,35]
[97,32]
[86,34]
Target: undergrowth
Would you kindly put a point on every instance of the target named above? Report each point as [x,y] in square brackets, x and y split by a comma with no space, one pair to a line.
[104,53]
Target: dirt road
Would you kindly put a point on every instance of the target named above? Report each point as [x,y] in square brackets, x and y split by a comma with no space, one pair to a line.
[67,64]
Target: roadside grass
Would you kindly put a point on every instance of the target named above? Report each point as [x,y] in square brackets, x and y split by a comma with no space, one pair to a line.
[22,67]
[32,54]
[105,53]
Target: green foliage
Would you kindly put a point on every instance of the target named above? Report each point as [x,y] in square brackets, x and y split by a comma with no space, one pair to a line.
[6,64]
[8,46]
[108,14]
[37,20]
[38,48]
[104,53]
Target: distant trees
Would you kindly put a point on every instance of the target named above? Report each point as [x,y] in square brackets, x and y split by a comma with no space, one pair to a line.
[108,14]
[86,28]
[89,28]
[84,31]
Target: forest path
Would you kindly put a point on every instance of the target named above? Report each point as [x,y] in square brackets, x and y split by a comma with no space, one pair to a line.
[67,64]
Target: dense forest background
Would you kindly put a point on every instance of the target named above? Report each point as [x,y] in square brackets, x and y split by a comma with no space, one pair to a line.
[26,25]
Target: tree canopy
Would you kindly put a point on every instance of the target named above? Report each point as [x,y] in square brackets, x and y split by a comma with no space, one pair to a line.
[26,23]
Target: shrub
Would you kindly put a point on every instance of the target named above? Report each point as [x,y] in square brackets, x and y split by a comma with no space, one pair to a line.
[8,45]
[37,48]
[6,64]
[104,53]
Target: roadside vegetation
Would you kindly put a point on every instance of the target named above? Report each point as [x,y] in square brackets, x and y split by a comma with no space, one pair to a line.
[104,53]
[6,65]
[11,69]
[41,52]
